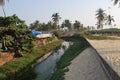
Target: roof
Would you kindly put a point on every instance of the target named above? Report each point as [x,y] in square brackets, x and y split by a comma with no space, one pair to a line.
[35,33]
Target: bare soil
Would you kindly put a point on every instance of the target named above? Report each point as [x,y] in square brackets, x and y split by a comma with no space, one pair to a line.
[5,57]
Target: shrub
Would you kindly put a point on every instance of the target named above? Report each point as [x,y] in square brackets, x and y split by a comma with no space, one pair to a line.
[57,33]
[22,68]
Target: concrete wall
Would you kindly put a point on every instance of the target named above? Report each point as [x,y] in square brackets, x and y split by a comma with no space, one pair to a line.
[112,75]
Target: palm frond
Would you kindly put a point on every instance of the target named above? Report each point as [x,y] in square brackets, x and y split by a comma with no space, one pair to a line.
[115,1]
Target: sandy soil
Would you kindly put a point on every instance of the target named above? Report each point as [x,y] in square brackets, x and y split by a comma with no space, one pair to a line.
[86,67]
[110,51]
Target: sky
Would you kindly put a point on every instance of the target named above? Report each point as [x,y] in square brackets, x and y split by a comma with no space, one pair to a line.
[42,10]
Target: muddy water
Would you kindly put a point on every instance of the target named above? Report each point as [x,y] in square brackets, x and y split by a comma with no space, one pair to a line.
[45,68]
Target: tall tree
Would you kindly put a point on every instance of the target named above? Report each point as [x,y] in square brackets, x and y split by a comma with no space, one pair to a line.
[109,20]
[67,23]
[77,25]
[36,25]
[100,15]
[49,25]
[116,1]
[2,3]
[56,17]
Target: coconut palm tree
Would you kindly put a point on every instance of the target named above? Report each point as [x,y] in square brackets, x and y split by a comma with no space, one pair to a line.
[77,25]
[2,3]
[68,24]
[56,17]
[35,26]
[109,20]
[116,1]
[100,15]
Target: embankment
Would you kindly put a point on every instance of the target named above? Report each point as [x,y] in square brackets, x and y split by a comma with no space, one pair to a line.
[112,75]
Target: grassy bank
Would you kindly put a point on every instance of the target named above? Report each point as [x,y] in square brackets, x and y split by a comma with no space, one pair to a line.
[22,68]
[98,37]
[79,44]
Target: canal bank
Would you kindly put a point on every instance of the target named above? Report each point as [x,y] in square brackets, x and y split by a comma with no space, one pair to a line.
[22,68]
[86,64]
[46,65]
[79,44]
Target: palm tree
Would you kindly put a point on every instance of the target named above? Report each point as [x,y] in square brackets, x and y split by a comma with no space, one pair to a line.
[100,15]
[56,17]
[50,25]
[68,24]
[77,25]
[2,3]
[116,2]
[36,25]
[109,20]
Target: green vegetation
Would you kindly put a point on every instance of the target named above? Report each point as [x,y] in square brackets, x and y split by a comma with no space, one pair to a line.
[54,25]
[100,15]
[56,17]
[103,18]
[13,34]
[57,33]
[66,23]
[113,31]
[22,68]
[104,34]
[79,44]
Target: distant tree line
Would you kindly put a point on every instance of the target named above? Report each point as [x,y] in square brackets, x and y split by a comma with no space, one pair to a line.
[54,24]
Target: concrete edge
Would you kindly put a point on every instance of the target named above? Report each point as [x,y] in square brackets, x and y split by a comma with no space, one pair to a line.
[102,65]
[110,73]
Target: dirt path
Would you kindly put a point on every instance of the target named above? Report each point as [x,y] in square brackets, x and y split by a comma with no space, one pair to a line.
[110,51]
[86,67]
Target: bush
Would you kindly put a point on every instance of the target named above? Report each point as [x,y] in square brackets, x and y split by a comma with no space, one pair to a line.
[22,68]
[57,34]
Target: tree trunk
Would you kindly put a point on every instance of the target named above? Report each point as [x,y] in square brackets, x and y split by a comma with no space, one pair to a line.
[3,11]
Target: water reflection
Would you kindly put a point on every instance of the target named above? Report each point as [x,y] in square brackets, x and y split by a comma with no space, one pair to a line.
[45,69]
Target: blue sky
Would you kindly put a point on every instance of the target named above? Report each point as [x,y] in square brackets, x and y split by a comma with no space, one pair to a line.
[82,10]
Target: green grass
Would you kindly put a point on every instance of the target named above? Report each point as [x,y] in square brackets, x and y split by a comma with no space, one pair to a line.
[79,44]
[113,31]
[22,68]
